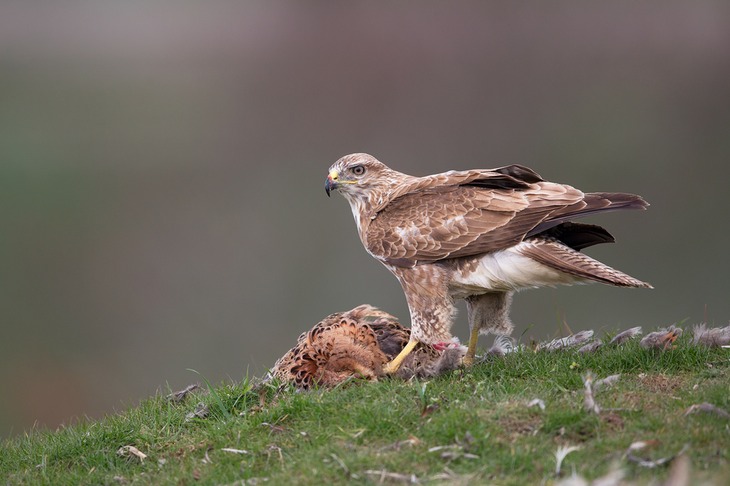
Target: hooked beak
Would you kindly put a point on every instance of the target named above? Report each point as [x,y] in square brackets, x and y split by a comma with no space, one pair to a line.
[331,183]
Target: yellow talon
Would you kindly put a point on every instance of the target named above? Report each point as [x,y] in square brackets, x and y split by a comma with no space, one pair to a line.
[393,366]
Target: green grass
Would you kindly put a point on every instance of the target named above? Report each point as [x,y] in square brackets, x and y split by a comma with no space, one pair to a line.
[479,418]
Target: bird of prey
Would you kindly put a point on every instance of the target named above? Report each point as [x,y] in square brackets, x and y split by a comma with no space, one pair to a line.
[478,235]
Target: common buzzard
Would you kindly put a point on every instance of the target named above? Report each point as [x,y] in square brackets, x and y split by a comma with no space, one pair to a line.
[478,235]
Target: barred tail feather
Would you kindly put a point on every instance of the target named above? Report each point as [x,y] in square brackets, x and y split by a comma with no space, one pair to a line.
[564,259]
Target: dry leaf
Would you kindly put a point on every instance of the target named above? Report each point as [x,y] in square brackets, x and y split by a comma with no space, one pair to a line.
[180,395]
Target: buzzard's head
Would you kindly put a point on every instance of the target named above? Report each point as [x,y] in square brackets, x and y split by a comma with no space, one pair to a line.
[358,177]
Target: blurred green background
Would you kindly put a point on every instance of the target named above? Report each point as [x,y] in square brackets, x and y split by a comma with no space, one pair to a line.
[162,167]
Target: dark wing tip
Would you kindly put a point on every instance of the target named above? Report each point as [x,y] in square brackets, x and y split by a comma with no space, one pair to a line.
[520,172]
[510,177]
[579,235]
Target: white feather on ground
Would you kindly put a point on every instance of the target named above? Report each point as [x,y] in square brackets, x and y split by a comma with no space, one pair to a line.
[714,337]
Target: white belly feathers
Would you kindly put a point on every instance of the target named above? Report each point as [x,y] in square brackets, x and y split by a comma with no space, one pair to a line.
[507,270]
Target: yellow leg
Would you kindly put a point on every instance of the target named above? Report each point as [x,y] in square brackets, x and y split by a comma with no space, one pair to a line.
[393,366]
[471,351]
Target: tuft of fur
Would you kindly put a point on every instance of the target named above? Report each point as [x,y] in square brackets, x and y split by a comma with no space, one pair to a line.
[662,339]
[502,345]
[566,342]
[591,347]
[425,361]
[714,337]
[624,336]
[618,339]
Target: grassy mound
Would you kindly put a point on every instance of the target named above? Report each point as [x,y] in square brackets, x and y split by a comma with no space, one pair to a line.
[469,426]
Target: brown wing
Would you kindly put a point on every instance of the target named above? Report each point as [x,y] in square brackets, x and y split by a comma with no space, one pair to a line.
[456,221]
[459,214]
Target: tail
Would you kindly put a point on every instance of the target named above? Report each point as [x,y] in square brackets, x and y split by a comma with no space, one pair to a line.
[567,260]
[592,202]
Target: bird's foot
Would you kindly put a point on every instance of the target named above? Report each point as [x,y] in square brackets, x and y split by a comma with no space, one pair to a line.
[391,367]
[467,360]
[394,365]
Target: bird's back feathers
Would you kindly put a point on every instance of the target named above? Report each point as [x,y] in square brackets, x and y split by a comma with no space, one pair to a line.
[467,213]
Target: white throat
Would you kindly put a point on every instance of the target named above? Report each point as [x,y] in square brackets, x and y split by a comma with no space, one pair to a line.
[355,204]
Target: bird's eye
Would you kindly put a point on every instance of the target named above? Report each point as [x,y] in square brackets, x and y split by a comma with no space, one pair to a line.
[358,170]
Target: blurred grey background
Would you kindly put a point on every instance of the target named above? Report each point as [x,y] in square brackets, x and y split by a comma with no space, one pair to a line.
[162,167]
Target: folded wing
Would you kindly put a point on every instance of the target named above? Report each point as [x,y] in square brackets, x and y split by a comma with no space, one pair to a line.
[459,214]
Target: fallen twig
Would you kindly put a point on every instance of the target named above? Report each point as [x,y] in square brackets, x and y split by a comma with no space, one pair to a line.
[344,467]
[274,448]
[384,475]
[235,451]
[206,459]
[180,395]
[444,447]
[411,441]
[451,455]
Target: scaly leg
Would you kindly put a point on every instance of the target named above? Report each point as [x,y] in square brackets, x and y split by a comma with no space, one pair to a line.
[489,312]
[393,366]
[471,351]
